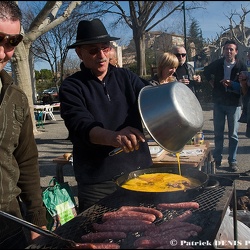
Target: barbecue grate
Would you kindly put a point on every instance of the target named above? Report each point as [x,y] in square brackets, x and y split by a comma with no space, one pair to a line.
[213,204]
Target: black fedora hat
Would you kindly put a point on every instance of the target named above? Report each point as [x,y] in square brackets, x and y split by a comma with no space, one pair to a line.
[89,32]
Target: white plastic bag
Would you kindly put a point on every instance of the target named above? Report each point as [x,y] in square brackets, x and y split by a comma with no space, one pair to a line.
[225,236]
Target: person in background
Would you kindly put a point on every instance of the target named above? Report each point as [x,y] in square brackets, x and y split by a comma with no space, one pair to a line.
[99,106]
[244,82]
[185,72]
[113,57]
[20,190]
[166,67]
[223,75]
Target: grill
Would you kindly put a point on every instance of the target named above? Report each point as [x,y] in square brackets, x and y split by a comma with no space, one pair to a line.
[213,204]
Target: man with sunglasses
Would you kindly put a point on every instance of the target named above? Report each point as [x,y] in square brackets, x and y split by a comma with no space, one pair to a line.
[20,190]
[100,110]
[185,72]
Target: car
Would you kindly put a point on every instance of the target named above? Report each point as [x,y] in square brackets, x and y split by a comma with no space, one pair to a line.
[50,95]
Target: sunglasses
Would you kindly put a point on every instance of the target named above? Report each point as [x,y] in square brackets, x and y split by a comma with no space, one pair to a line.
[182,54]
[10,40]
[96,50]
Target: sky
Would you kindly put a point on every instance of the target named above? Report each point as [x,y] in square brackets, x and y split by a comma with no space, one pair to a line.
[210,19]
[215,16]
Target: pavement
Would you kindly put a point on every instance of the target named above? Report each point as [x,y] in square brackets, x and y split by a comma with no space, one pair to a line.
[52,142]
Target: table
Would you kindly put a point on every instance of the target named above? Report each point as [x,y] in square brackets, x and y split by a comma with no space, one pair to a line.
[203,161]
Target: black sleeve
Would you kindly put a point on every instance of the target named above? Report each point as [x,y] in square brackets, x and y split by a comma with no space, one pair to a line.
[146,82]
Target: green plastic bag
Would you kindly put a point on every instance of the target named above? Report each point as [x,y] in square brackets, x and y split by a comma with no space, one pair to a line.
[60,204]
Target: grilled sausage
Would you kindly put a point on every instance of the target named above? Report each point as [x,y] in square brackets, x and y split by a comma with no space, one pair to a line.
[179,205]
[122,228]
[167,226]
[129,214]
[153,242]
[96,246]
[183,217]
[100,236]
[124,221]
[149,210]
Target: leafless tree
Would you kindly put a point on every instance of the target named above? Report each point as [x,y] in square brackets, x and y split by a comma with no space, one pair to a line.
[50,15]
[142,17]
[236,30]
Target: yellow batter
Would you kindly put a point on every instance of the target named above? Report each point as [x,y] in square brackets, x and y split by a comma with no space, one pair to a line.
[160,182]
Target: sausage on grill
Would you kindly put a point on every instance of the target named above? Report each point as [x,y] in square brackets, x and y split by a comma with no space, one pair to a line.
[122,227]
[152,242]
[169,227]
[183,217]
[129,214]
[179,205]
[149,210]
[100,236]
[125,221]
[96,246]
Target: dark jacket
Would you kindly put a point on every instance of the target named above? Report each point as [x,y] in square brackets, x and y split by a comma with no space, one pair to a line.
[220,95]
[87,102]
[190,72]
[19,171]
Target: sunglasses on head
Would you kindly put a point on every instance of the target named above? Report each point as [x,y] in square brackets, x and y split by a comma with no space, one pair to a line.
[10,40]
[94,51]
[180,54]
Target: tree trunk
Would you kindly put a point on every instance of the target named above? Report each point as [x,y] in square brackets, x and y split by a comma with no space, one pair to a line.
[140,54]
[22,76]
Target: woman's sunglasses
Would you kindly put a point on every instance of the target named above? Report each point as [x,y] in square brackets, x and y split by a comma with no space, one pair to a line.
[10,40]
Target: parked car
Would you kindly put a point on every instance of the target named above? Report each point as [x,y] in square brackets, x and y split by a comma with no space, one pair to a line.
[50,95]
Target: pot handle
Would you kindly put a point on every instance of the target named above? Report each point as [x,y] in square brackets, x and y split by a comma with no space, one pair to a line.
[115,151]
[214,183]
[117,176]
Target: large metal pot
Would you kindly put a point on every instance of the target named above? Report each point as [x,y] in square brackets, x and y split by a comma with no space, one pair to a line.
[174,196]
[171,114]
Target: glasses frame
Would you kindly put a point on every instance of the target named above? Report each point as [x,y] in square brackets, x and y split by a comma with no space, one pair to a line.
[96,50]
[10,40]
[181,54]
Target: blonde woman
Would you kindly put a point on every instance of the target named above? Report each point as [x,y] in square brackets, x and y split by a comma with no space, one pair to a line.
[166,67]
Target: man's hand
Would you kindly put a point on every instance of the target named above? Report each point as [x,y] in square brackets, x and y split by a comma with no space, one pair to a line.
[197,78]
[226,83]
[129,138]
[184,80]
[34,235]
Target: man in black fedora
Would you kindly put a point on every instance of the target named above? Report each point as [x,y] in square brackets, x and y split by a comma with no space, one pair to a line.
[100,110]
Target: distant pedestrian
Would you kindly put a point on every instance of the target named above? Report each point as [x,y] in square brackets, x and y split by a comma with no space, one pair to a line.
[223,75]
[113,57]
[245,87]
[185,72]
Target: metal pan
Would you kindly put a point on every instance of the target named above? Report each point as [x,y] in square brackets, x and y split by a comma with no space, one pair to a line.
[175,196]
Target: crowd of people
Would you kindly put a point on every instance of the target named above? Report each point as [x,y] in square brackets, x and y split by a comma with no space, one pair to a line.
[99,106]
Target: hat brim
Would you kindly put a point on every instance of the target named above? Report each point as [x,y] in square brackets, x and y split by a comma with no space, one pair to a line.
[102,40]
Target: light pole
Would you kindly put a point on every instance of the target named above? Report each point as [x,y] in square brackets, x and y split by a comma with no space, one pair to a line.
[185,32]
